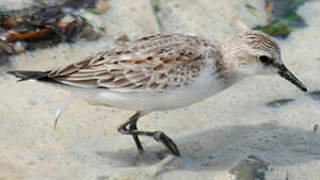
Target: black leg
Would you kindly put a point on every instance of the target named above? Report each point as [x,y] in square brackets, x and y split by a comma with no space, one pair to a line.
[132,122]
[133,127]
[157,135]
[162,137]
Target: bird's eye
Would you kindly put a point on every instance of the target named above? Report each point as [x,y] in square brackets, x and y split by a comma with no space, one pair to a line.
[265,59]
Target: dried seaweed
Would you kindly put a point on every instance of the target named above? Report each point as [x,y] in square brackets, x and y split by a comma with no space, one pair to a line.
[252,9]
[156,8]
[283,17]
[43,26]
[279,103]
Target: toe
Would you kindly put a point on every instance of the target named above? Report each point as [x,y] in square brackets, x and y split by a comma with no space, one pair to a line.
[168,142]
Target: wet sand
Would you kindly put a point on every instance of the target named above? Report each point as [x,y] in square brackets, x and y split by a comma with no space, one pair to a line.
[213,136]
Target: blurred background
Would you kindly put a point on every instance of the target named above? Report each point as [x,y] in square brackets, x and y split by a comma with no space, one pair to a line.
[261,128]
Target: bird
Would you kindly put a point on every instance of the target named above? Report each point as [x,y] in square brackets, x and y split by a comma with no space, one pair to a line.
[162,72]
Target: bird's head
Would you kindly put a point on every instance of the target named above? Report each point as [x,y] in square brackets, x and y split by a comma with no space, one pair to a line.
[253,53]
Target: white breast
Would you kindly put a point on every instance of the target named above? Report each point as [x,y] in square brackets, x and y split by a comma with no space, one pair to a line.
[202,87]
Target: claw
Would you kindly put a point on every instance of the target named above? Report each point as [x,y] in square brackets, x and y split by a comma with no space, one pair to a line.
[168,142]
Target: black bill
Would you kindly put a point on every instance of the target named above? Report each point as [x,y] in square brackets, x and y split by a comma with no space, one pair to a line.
[285,73]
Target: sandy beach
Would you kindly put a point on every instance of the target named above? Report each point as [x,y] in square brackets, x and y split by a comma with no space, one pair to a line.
[217,137]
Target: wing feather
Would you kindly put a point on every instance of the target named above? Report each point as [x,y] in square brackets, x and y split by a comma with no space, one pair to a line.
[154,62]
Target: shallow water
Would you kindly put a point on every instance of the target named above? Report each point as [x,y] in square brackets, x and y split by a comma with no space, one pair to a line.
[263,116]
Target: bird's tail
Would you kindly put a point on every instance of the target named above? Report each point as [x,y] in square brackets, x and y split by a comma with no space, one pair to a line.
[26,75]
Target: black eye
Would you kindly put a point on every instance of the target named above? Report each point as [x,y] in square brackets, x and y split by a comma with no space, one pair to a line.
[265,59]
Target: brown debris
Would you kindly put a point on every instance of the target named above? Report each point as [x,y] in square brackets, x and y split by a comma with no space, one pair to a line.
[8,23]
[43,25]
[35,35]
[121,40]
[268,9]
[102,6]
[8,49]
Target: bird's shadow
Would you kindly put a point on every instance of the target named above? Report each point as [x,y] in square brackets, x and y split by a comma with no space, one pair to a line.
[219,148]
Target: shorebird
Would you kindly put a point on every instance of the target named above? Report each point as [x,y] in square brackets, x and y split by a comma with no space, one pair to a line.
[164,72]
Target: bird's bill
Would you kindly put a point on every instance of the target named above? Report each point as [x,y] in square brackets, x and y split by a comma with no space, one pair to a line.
[286,74]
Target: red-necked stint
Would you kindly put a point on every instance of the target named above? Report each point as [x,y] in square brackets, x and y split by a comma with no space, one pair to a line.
[166,71]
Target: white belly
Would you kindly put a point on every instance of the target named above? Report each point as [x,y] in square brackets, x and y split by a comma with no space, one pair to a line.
[203,87]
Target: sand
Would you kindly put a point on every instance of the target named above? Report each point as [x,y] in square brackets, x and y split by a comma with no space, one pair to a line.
[213,136]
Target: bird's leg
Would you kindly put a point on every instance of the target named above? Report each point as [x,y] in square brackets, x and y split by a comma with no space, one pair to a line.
[157,135]
[162,137]
[132,122]
[133,127]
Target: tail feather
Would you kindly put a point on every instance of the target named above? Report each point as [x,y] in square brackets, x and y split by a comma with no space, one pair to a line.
[26,75]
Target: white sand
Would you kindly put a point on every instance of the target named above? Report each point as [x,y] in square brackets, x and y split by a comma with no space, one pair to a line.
[212,135]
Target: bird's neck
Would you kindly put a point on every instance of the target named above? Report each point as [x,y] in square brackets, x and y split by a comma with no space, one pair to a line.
[229,71]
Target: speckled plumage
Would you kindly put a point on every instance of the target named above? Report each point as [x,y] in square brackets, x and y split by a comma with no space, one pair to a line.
[164,72]
[156,62]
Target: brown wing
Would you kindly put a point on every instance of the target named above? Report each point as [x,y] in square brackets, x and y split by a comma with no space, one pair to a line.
[153,62]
